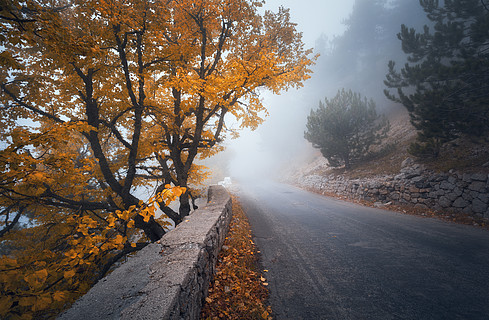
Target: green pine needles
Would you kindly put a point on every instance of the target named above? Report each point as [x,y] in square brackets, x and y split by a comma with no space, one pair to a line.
[345,127]
[445,83]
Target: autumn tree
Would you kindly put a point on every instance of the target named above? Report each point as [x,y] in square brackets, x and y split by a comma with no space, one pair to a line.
[345,127]
[229,53]
[102,98]
[444,84]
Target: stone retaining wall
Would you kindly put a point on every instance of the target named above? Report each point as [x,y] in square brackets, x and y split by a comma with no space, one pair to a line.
[165,280]
[414,185]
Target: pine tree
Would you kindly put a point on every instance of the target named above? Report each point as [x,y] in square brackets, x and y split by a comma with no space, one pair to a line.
[345,127]
[445,83]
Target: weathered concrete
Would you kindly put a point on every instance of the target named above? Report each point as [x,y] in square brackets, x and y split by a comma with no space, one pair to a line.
[165,280]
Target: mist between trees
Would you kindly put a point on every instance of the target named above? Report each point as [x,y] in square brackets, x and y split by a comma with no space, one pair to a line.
[358,60]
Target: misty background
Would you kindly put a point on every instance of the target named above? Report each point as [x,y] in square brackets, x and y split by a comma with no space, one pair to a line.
[355,40]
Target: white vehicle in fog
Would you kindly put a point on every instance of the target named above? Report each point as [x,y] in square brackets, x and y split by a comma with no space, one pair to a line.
[226,182]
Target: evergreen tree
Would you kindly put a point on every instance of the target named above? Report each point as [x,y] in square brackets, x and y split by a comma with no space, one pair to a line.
[445,83]
[345,127]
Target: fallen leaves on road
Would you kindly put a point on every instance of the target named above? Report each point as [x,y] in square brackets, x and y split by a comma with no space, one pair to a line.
[238,290]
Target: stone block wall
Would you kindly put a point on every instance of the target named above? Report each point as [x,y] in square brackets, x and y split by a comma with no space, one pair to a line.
[168,279]
[414,185]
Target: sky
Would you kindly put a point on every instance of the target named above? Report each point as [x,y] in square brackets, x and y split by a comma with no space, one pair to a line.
[280,138]
[315,17]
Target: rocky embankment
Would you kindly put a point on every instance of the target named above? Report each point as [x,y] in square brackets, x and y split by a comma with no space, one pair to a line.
[414,186]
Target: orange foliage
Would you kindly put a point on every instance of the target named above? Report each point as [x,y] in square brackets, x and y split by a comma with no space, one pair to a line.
[100,98]
[239,288]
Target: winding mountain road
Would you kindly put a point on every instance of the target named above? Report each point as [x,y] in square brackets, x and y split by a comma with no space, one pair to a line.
[329,259]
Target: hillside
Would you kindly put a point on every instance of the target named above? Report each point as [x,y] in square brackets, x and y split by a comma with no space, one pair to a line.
[462,155]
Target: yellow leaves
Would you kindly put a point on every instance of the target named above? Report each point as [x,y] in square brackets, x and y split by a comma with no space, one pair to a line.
[43,301]
[36,279]
[119,239]
[124,215]
[237,63]
[111,221]
[8,61]
[72,254]
[60,296]
[95,250]
[146,213]
[27,301]
[89,222]
[5,304]
[178,191]
[238,290]
[69,274]
[265,315]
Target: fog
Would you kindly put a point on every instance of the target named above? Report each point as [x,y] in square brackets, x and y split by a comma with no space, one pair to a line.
[355,40]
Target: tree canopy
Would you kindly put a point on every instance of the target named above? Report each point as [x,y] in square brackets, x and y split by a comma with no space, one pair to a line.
[444,84]
[345,127]
[102,98]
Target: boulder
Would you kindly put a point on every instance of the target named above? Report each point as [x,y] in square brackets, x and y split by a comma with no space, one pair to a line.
[407,162]
[444,202]
[446,185]
[478,186]
[478,206]
[479,177]
[460,203]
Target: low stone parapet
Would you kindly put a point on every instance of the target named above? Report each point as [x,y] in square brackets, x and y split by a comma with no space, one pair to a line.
[165,280]
[415,186]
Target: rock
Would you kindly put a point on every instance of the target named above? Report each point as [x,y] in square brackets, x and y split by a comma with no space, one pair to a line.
[484,197]
[460,203]
[412,174]
[399,176]
[436,194]
[444,202]
[479,177]
[467,177]
[413,189]
[407,162]
[445,185]
[478,206]
[467,196]
[477,186]
[454,194]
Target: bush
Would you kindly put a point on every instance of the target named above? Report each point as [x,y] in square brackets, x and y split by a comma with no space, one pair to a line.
[345,127]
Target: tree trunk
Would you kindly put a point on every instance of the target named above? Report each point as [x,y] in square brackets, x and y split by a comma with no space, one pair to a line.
[184,209]
[151,228]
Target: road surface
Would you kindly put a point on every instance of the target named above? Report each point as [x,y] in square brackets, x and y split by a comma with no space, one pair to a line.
[329,259]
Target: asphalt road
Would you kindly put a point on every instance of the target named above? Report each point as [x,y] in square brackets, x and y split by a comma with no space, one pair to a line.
[329,259]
